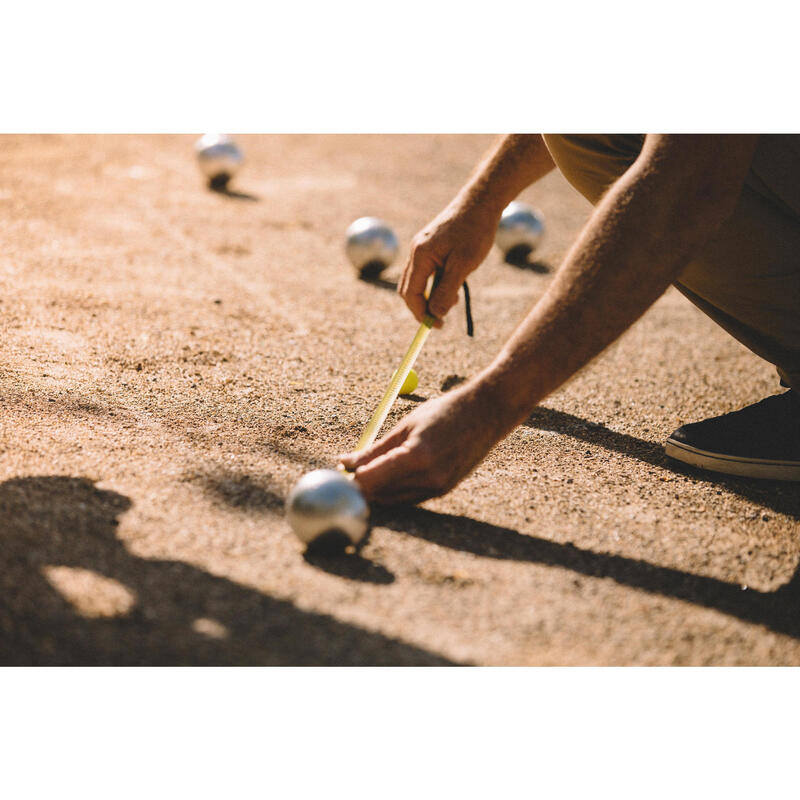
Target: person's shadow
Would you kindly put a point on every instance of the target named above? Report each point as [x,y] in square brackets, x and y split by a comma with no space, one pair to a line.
[180,614]
[777,610]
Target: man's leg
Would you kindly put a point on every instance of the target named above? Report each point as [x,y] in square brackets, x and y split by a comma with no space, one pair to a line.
[747,279]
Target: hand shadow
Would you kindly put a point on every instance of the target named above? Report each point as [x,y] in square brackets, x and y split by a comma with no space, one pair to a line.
[68,522]
[352,566]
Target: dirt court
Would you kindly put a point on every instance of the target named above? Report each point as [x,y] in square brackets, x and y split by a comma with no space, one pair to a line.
[175,359]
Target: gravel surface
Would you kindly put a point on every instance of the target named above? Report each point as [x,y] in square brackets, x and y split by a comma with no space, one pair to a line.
[175,359]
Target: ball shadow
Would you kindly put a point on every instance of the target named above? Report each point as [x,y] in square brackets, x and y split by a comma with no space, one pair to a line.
[378,282]
[232,194]
[352,566]
[520,257]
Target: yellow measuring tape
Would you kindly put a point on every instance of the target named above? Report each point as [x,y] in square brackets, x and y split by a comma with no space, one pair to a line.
[398,379]
[382,411]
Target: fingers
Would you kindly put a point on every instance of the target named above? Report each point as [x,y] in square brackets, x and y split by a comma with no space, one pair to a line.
[392,478]
[394,470]
[419,268]
[392,439]
[415,280]
[373,476]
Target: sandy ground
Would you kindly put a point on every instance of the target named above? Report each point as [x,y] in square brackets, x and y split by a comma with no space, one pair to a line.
[174,360]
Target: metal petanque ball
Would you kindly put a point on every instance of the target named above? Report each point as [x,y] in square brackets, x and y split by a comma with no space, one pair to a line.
[327,511]
[219,158]
[520,230]
[371,246]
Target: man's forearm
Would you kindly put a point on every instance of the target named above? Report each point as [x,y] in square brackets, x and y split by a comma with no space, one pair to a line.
[512,164]
[636,243]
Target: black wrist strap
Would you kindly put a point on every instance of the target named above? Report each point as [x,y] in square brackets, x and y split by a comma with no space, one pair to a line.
[467,302]
[468,305]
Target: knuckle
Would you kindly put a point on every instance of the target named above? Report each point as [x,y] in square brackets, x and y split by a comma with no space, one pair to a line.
[419,242]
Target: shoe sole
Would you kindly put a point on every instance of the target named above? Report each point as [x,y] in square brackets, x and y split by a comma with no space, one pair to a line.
[733,465]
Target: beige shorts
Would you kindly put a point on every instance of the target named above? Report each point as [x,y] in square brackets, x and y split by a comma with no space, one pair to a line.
[747,278]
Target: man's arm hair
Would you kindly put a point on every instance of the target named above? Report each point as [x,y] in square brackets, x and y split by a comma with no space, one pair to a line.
[643,233]
[513,163]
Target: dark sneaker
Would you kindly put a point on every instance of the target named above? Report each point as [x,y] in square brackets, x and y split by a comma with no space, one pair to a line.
[759,441]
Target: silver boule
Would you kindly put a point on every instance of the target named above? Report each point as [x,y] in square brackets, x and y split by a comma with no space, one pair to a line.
[521,227]
[326,502]
[371,245]
[219,157]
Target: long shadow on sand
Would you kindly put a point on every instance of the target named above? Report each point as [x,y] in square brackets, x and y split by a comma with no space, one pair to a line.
[781,497]
[778,610]
[64,521]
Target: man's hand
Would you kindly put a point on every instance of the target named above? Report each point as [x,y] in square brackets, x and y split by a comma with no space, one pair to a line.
[433,448]
[455,242]
[649,225]
[460,237]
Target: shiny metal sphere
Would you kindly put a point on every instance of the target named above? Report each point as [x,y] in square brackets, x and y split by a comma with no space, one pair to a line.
[371,245]
[521,227]
[218,156]
[326,508]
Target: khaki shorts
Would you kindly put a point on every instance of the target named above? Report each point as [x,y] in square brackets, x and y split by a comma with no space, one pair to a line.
[747,278]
